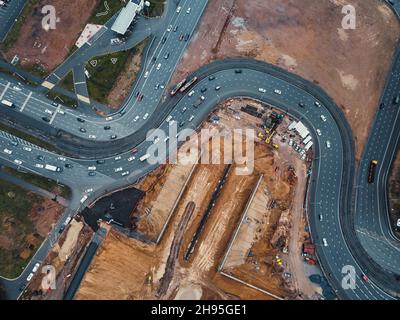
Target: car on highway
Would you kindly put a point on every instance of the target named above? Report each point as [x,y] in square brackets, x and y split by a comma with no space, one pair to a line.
[181,37]
[169,118]
[117,158]
[204,89]
[319,132]
[211,78]
[277,91]
[187,36]
[113,137]
[119,169]
[48,112]
[125,173]
[36,267]
[69,166]
[30,276]
[169,28]
[146,74]
[163,40]
[183,110]
[320,217]
[191,93]
[158,66]
[325,243]
[40,157]
[82,130]
[92,136]
[80,120]
[175,28]
[109,118]
[14,143]
[262,90]
[188,10]
[45,119]
[18,162]
[156,140]
[61,159]
[323,118]
[317,104]
[136,119]
[131,158]
[328,144]
[364,277]
[191,118]
[107,127]
[178,9]
[217,88]
[238,71]
[134,150]
[145,116]
[91,173]
[92,168]
[166,56]
[28,149]
[39,165]
[302,105]
[7,151]
[101,161]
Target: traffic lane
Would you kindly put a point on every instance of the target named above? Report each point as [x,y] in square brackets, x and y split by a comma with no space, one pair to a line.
[8,16]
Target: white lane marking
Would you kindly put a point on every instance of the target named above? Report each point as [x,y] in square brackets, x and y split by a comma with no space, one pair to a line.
[4,91]
[54,114]
[26,101]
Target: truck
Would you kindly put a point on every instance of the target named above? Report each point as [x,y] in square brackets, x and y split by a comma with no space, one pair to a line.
[52,168]
[7,103]
[371,171]
[145,157]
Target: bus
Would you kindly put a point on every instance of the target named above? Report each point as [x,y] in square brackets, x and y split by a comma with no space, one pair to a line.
[7,103]
[177,87]
[187,85]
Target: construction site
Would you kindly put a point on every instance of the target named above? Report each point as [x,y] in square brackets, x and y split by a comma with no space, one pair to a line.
[211,233]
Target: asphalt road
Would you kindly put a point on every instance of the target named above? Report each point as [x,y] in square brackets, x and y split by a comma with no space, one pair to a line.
[333,168]
[8,15]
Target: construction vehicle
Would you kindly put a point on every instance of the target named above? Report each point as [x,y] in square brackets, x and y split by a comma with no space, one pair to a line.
[276,146]
[269,138]
[260,135]
[371,171]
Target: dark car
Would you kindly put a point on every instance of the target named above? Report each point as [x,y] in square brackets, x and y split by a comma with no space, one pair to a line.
[238,71]
[187,36]
[163,40]
[211,78]
[382,105]
[39,157]
[204,89]
[182,123]
[301,105]
[181,37]
[80,120]
[68,165]
[45,119]
[175,28]
[100,161]
[166,56]
[82,130]
[91,173]
[134,150]
[107,127]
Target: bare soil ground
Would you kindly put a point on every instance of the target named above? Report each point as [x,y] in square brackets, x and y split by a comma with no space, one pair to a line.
[394,193]
[128,269]
[305,37]
[35,46]
[44,215]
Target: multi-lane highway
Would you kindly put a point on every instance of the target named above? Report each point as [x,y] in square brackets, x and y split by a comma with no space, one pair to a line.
[350,239]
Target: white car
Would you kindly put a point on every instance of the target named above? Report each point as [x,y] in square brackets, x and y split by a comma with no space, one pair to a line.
[36,267]
[131,158]
[145,116]
[328,144]
[146,74]
[61,111]
[317,104]
[118,169]
[117,158]
[277,91]
[262,90]
[178,9]
[39,165]
[323,118]
[319,132]
[398,223]
[27,149]
[156,140]
[166,139]
[89,190]
[91,136]
[191,118]
[92,168]
[324,242]
[169,118]
[7,151]
[290,142]
[109,118]
[136,119]
[169,28]
[188,10]
[18,162]
[29,278]
[61,159]
[48,111]
[159,66]
[191,93]
[124,173]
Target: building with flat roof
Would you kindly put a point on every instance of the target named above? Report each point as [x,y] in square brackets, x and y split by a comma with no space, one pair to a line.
[126,16]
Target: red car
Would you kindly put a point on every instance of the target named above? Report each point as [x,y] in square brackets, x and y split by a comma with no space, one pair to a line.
[134,150]
[364,277]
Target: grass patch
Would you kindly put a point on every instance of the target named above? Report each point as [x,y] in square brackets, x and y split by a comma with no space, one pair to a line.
[13,35]
[27,137]
[156,8]
[114,7]
[68,82]
[103,76]
[39,181]
[15,203]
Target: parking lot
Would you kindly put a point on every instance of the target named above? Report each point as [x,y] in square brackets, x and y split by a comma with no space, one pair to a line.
[9,12]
